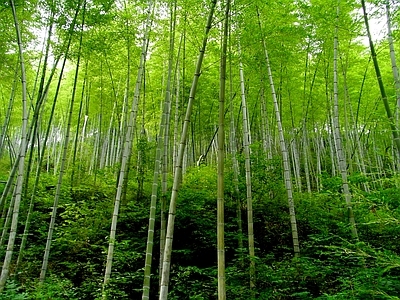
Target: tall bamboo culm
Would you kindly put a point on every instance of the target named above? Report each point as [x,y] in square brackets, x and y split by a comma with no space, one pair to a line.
[179,162]
[22,152]
[285,154]
[249,198]
[127,149]
[221,158]
[336,132]
[64,154]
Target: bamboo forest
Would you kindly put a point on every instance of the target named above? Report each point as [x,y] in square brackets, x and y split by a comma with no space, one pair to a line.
[199,149]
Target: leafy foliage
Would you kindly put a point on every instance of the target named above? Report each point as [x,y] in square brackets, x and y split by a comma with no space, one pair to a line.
[299,38]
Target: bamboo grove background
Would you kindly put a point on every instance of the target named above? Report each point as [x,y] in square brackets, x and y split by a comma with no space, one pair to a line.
[265,119]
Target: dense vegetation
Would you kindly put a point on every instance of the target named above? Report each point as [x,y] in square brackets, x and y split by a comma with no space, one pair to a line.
[261,138]
[331,266]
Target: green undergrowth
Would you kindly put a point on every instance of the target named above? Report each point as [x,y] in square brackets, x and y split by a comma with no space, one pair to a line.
[332,265]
